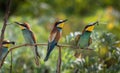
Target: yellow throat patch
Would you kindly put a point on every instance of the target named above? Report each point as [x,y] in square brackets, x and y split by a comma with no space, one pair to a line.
[6,45]
[90,28]
[60,25]
[21,27]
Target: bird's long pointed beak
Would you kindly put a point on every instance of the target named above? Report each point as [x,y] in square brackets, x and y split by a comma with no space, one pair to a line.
[95,23]
[64,20]
[12,42]
[19,23]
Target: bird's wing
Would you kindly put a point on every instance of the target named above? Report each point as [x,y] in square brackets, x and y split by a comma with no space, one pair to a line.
[33,36]
[34,40]
[52,36]
[77,39]
[90,41]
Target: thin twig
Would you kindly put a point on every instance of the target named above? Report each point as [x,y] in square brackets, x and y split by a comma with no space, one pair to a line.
[5,22]
[59,61]
[11,63]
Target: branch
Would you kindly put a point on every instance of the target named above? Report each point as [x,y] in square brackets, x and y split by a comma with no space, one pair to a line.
[39,44]
[5,22]
[11,63]
[59,61]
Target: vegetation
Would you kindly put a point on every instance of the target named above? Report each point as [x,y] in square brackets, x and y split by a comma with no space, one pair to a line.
[41,14]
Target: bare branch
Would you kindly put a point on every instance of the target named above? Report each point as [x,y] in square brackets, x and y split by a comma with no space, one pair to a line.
[59,61]
[43,44]
[39,44]
[5,22]
[11,63]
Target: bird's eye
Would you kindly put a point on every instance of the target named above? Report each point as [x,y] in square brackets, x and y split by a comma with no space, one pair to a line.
[24,25]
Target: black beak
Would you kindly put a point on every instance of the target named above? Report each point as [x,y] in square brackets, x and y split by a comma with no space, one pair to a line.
[12,42]
[95,23]
[5,42]
[62,21]
[65,20]
[21,24]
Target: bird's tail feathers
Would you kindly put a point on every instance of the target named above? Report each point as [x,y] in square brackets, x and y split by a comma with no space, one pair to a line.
[37,60]
[48,54]
[37,56]
[49,49]
[36,51]
[46,58]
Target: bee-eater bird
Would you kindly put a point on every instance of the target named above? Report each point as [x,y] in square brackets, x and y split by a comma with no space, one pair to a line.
[54,36]
[4,48]
[84,40]
[30,39]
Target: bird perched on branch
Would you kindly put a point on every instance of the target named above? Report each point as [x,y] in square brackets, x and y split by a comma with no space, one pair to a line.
[54,36]
[30,39]
[5,45]
[84,40]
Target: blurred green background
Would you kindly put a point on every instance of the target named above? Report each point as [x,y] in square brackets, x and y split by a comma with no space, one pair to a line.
[41,14]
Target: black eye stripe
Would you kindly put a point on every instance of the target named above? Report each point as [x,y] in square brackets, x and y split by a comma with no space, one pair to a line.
[88,26]
[24,25]
[8,42]
[59,22]
[5,43]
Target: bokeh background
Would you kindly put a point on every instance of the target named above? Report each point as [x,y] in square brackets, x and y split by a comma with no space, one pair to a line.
[41,14]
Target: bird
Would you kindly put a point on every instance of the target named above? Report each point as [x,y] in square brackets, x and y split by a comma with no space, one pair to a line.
[84,40]
[4,49]
[54,37]
[30,39]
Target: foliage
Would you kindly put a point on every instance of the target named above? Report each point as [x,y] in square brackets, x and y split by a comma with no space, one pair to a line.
[106,59]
